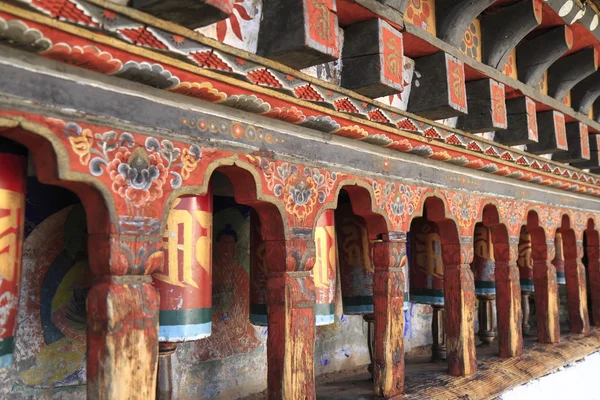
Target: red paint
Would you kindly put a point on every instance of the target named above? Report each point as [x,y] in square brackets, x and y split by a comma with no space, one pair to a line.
[322,25]
[392,55]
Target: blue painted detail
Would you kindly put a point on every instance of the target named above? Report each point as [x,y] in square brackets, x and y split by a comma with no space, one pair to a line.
[324,319]
[485,291]
[258,319]
[427,299]
[6,360]
[182,333]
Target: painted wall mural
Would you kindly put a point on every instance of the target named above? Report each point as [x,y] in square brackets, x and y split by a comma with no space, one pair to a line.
[427,268]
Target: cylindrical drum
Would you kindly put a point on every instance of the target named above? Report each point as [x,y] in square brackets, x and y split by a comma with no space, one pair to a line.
[356,268]
[427,267]
[525,262]
[559,260]
[406,270]
[13,169]
[185,282]
[258,273]
[483,262]
[324,269]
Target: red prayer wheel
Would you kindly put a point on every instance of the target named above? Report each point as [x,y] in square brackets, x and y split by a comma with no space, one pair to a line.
[325,268]
[13,169]
[356,268]
[258,273]
[483,262]
[559,260]
[426,267]
[185,282]
[525,262]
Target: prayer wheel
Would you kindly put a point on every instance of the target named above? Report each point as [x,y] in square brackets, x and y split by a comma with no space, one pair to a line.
[258,273]
[324,271]
[185,283]
[13,169]
[427,268]
[559,260]
[525,262]
[483,262]
[356,268]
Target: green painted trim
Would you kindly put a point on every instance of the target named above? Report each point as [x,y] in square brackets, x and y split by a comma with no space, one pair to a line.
[192,316]
[7,346]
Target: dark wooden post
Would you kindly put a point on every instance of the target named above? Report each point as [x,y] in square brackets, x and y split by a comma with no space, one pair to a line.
[389,259]
[576,288]
[164,385]
[508,303]
[459,302]
[122,315]
[439,351]
[291,318]
[593,267]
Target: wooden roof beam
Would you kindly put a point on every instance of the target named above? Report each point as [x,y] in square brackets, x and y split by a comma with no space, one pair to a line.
[594,161]
[570,70]
[487,107]
[585,93]
[535,56]
[553,134]
[522,123]
[578,142]
[453,17]
[192,14]
[503,30]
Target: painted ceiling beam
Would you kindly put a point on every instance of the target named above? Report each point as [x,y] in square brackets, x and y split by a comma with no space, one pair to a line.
[503,30]
[585,93]
[570,70]
[553,134]
[453,17]
[594,161]
[578,142]
[522,123]
[535,56]
[438,87]
[567,10]
[487,107]
[192,14]
[399,5]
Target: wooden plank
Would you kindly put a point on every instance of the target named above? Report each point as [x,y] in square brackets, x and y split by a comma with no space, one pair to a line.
[504,30]
[546,300]
[487,107]
[553,137]
[578,143]
[192,14]
[585,93]
[570,70]
[594,161]
[522,123]
[453,17]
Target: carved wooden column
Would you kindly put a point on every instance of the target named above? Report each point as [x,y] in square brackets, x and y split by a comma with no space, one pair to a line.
[122,316]
[13,168]
[459,300]
[546,301]
[389,258]
[576,289]
[508,301]
[593,267]
[291,318]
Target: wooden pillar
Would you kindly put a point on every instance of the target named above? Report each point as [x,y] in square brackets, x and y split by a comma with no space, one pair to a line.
[122,316]
[576,290]
[389,258]
[546,301]
[13,168]
[508,305]
[291,318]
[593,267]
[459,301]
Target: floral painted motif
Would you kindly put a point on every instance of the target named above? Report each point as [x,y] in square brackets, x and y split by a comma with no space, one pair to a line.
[422,14]
[471,44]
[300,187]
[138,174]
[399,201]
[464,207]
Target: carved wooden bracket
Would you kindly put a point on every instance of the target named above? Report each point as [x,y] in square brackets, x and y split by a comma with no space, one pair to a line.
[503,30]
[594,161]
[536,55]
[568,10]
[553,134]
[455,16]
[299,33]
[585,93]
[522,123]
[578,142]
[189,13]
[438,87]
[372,59]
[487,107]
[570,70]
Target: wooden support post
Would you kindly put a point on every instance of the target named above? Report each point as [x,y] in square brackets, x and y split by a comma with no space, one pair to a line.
[535,56]
[487,107]
[578,143]
[459,300]
[190,13]
[370,320]
[508,305]
[522,123]
[440,92]
[553,138]
[570,70]
[453,18]
[372,59]
[13,175]
[579,321]
[164,385]
[485,312]
[299,33]
[593,268]
[439,350]
[594,161]
[503,30]
[291,318]
[389,259]
[585,93]
[546,301]
[525,294]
